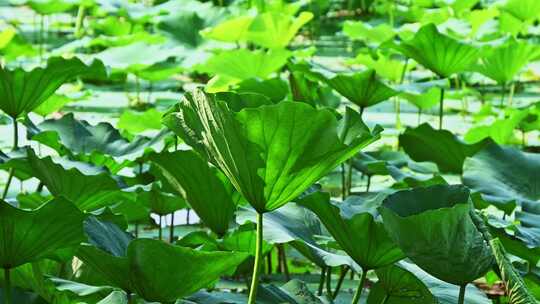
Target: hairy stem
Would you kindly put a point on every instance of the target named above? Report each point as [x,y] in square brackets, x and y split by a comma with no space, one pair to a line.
[257,264]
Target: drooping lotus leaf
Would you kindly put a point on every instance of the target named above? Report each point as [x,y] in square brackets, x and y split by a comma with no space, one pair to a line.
[441,54]
[22,91]
[504,62]
[69,135]
[275,88]
[205,189]
[136,57]
[501,130]
[363,89]
[371,35]
[353,225]
[271,154]
[159,272]
[276,30]
[231,30]
[232,66]
[297,226]
[107,236]
[504,174]
[424,143]
[434,228]
[397,285]
[87,187]
[160,202]
[28,236]
[444,292]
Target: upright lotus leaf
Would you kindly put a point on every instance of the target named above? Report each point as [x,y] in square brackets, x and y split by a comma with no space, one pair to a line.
[396,285]
[424,143]
[22,91]
[87,187]
[354,226]
[439,53]
[69,135]
[504,174]
[504,62]
[159,272]
[275,30]
[232,30]
[205,189]
[434,228]
[270,153]
[136,57]
[28,236]
[232,66]
[363,89]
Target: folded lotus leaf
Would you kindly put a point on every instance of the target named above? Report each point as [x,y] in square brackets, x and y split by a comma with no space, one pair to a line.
[433,227]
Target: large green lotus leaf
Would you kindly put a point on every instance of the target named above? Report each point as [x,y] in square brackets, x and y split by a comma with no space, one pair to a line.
[28,236]
[205,189]
[231,30]
[371,35]
[273,153]
[363,89]
[504,173]
[275,88]
[22,91]
[504,62]
[115,297]
[160,272]
[297,226]
[424,143]
[433,227]
[441,54]
[444,292]
[501,130]
[276,30]
[107,236]
[137,56]
[70,135]
[524,10]
[137,122]
[49,7]
[353,225]
[397,285]
[87,187]
[160,202]
[233,66]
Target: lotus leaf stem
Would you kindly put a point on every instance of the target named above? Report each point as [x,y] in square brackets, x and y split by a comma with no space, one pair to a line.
[171,229]
[329,281]
[15,146]
[342,275]
[80,20]
[441,109]
[8,298]
[461,299]
[358,292]
[321,281]
[257,263]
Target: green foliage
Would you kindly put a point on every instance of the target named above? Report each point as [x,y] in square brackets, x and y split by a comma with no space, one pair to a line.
[269,163]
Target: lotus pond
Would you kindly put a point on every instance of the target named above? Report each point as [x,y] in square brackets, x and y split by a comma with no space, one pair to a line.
[248,151]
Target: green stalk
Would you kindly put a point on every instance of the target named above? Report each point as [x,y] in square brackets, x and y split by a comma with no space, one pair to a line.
[343,192]
[511,94]
[461,299]
[321,281]
[368,183]
[257,264]
[171,229]
[329,281]
[503,89]
[358,292]
[8,298]
[15,146]
[342,275]
[159,231]
[441,109]
[80,21]
[386,297]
